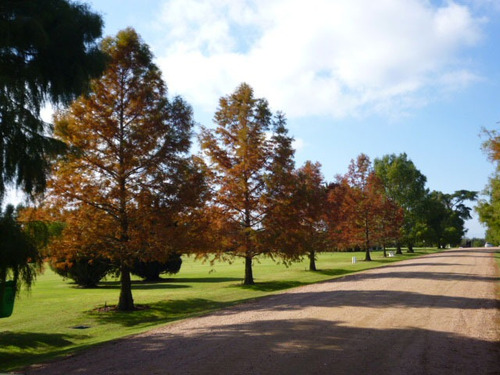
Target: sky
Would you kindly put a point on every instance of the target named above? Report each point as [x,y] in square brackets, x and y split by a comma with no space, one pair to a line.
[352,76]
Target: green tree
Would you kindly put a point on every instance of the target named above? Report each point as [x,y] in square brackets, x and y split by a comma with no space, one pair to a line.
[488,207]
[48,53]
[19,256]
[405,185]
[446,215]
[250,155]
[126,188]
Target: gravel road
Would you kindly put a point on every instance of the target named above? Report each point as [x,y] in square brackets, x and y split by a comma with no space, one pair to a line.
[437,314]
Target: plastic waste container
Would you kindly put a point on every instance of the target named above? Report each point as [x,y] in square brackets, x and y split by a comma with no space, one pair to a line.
[7,302]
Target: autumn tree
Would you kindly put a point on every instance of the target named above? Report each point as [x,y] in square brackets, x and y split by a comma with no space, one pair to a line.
[48,53]
[309,211]
[125,188]
[359,208]
[391,222]
[250,155]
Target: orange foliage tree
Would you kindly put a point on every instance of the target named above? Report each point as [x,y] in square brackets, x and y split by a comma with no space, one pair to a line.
[127,190]
[251,159]
[309,211]
[360,214]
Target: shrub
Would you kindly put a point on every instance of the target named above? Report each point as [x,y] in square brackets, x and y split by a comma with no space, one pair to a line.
[84,271]
[151,271]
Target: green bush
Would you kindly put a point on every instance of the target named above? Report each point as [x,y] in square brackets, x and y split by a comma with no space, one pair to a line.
[151,271]
[84,271]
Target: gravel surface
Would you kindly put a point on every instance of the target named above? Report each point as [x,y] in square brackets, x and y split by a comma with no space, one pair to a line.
[436,314]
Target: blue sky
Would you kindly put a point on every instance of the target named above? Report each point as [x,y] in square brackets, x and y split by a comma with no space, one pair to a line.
[352,76]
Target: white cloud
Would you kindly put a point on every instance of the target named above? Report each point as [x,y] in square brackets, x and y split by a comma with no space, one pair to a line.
[321,57]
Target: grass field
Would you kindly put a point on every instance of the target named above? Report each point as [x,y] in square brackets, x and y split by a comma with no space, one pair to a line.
[57,318]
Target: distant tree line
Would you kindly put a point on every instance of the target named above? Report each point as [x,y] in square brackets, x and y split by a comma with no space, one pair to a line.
[125,195]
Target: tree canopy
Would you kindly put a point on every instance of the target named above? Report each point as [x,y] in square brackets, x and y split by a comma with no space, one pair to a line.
[127,183]
[445,216]
[488,207]
[405,185]
[48,53]
[361,214]
[309,210]
[19,255]
[250,156]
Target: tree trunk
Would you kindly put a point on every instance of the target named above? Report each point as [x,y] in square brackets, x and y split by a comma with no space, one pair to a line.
[367,255]
[367,240]
[312,261]
[410,248]
[126,302]
[248,271]
[385,251]
[398,249]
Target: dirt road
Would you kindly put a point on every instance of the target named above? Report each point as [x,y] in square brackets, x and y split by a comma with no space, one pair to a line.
[433,315]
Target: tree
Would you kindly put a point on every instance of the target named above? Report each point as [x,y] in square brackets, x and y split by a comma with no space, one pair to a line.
[48,52]
[405,185]
[309,210]
[359,208]
[126,187]
[391,221]
[488,208]
[250,156]
[446,215]
[19,256]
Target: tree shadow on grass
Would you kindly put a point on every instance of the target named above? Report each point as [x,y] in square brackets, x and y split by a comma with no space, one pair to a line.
[15,347]
[30,340]
[202,279]
[159,312]
[336,272]
[270,286]
[141,285]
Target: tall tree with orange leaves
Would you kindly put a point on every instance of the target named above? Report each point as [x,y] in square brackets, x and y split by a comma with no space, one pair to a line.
[126,188]
[250,156]
[309,209]
[361,215]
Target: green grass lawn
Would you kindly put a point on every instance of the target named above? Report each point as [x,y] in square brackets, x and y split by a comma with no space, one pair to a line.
[57,318]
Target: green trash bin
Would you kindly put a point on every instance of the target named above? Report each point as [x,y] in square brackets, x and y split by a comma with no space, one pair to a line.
[7,302]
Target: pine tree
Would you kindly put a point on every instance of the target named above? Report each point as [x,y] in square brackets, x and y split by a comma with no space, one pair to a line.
[48,53]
